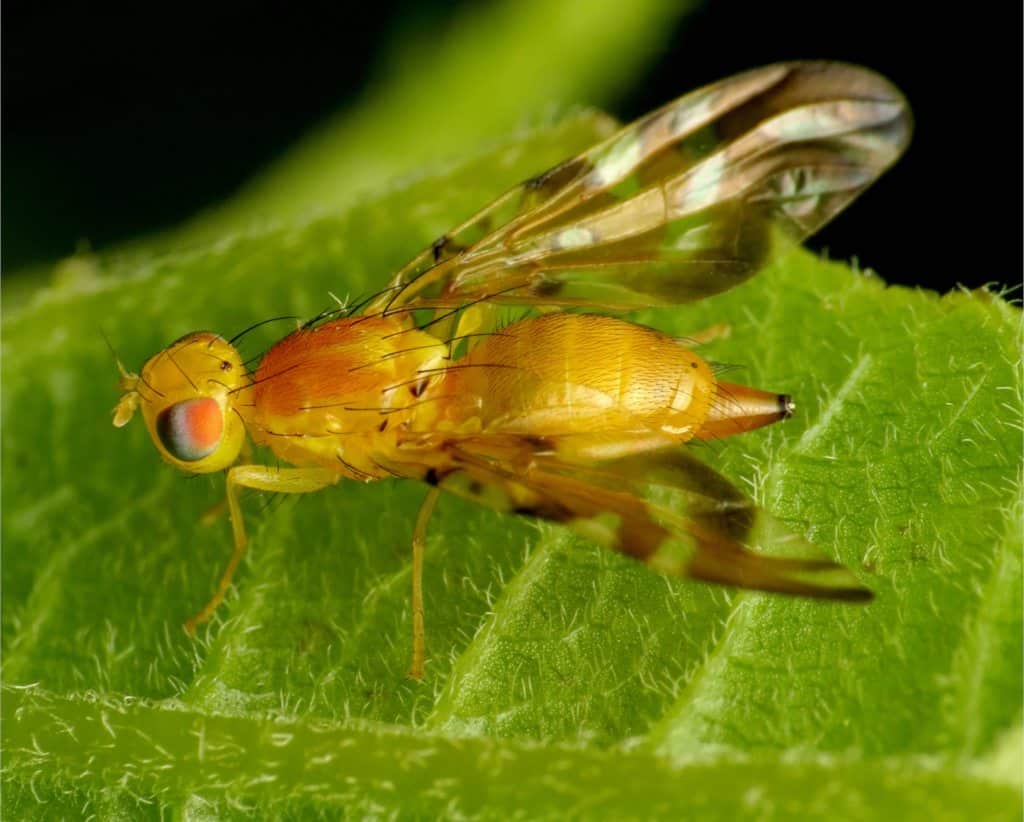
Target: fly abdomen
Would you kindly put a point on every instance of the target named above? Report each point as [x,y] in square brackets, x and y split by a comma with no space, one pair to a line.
[739,408]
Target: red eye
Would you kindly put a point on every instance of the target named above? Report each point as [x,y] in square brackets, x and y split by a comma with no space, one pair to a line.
[192,429]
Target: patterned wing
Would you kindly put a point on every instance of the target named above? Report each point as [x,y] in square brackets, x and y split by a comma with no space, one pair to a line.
[705,535]
[685,202]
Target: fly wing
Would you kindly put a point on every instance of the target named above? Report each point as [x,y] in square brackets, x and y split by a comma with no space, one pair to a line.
[686,202]
[705,535]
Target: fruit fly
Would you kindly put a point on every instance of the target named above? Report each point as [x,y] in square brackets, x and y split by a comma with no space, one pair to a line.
[563,415]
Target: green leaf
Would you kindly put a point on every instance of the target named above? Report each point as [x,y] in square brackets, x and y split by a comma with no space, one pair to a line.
[562,680]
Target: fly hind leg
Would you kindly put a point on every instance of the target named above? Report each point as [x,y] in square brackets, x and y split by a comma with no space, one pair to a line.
[418,542]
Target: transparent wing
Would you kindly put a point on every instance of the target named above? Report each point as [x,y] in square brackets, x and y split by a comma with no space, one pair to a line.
[685,202]
[707,533]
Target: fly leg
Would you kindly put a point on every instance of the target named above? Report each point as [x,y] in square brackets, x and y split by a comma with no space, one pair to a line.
[418,541]
[718,331]
[215,511]
[259,478]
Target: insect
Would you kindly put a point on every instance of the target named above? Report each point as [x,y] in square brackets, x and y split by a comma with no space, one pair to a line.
[563,416]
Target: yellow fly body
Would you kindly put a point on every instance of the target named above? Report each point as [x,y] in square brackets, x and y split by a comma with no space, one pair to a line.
[566,417]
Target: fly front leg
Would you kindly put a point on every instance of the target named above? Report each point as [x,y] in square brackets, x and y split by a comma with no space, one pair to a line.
[259,478]
[418,541]
[217,510]
[214,512]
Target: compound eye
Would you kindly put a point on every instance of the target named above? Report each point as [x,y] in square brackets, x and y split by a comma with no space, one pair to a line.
[192,429]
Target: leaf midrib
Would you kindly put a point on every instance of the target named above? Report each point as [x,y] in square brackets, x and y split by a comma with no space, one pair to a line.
[346,759]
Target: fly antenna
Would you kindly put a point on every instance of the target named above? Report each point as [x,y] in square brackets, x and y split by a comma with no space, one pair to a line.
[129,402]
[125,373]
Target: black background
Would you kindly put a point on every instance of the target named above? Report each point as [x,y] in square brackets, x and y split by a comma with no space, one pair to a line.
[115,123]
